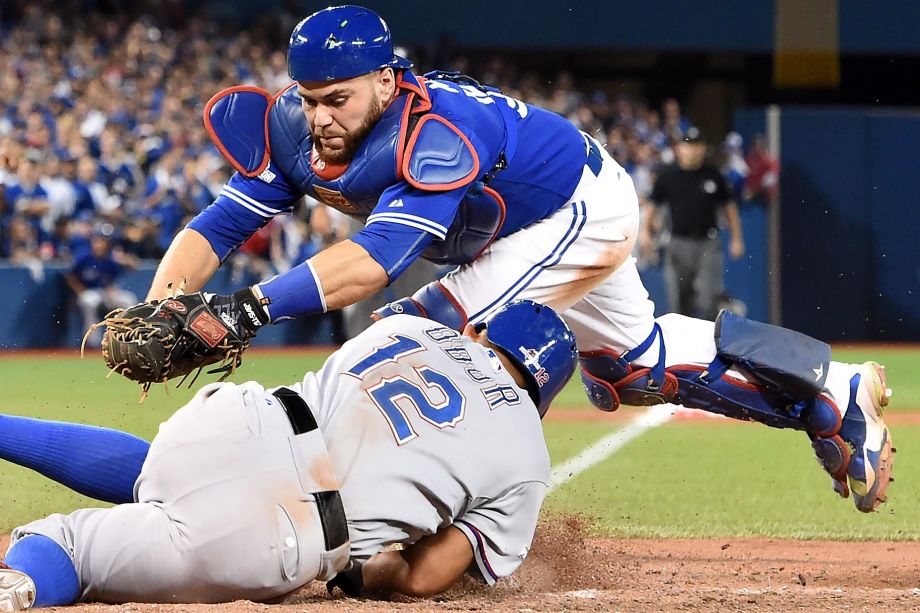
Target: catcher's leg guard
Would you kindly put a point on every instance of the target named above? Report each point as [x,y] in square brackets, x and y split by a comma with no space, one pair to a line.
[782,393]
[609,383]
[784,378]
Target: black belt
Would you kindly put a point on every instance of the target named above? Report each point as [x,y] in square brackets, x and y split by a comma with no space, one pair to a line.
[329,503]
[595,160]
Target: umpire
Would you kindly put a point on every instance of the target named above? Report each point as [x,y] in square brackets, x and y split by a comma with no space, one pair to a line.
[694,192]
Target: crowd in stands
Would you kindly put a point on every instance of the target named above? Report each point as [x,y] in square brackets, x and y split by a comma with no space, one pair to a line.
[103,110]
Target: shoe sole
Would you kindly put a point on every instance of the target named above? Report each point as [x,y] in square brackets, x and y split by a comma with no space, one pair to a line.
[880,394]
[17,590]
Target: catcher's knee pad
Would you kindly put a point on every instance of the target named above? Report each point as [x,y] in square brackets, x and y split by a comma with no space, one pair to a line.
[610,382]
[780,359]
[610,378]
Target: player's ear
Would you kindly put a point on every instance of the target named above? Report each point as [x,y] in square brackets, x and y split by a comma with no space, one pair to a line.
[477,333]
[385,83]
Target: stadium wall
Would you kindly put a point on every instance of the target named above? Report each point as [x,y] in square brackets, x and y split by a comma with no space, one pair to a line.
[850,223]
[661,25]
[40,309]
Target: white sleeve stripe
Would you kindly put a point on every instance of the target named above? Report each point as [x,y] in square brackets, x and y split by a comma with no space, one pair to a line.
[416,218]
[230,190]
[410,224]
[319,286]
[245,205]
[405,222]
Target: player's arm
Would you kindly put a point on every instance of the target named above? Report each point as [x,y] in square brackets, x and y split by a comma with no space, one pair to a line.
[354,269]
[243,206]
[425,568]
[190,258]
[347,274]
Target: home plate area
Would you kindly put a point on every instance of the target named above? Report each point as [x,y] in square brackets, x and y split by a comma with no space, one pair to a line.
[569,570]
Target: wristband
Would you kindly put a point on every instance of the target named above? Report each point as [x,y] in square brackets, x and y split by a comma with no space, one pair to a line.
[350,580]
[294,293]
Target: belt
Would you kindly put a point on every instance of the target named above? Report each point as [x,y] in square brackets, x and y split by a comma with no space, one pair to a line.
[595,160]
[328,503]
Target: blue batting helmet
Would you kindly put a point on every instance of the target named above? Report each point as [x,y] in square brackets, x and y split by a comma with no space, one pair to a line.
[535,338]
[341,42]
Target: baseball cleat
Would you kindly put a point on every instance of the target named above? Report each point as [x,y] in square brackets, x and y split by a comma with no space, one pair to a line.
[864,431]
[17,590]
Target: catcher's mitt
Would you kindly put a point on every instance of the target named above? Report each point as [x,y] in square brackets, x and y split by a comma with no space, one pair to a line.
[152,342]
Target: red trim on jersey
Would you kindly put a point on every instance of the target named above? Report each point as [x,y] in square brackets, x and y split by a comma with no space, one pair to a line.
[403,129]
[481,549]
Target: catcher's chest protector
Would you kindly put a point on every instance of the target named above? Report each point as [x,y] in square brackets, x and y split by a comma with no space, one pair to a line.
[414,141]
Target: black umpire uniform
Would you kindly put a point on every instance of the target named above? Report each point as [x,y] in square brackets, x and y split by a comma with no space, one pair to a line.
[694,193]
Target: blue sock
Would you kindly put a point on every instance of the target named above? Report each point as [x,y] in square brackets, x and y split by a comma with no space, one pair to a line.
[97,462]
[49,566]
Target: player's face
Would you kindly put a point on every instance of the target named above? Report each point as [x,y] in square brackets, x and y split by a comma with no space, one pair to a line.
[341,113]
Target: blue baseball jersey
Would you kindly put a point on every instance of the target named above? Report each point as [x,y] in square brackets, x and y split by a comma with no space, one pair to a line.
[530,158]
[94,272]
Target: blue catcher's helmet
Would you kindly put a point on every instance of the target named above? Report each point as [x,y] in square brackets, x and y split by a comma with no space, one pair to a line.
[539,342]
[341,42]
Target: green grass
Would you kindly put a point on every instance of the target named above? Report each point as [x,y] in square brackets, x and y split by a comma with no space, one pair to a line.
[700,479]
[680,480]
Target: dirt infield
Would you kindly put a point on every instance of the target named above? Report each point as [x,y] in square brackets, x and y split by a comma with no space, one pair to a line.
[567,571]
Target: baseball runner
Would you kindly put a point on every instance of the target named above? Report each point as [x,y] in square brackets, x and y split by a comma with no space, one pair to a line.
[395,440]
[526,206]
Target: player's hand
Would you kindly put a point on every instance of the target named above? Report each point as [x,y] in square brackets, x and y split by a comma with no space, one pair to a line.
[736,248]
[241,311]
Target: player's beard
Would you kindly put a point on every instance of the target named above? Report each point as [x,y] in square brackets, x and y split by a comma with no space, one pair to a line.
[353,140]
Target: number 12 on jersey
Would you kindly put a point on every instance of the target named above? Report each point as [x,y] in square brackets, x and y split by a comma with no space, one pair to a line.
[395,396]
[390,393]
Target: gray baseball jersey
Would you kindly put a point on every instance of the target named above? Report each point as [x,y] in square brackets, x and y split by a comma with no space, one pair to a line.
[419,427]
[426,429]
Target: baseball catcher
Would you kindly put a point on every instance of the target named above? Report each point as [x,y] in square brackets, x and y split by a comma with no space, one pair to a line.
[155,341]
